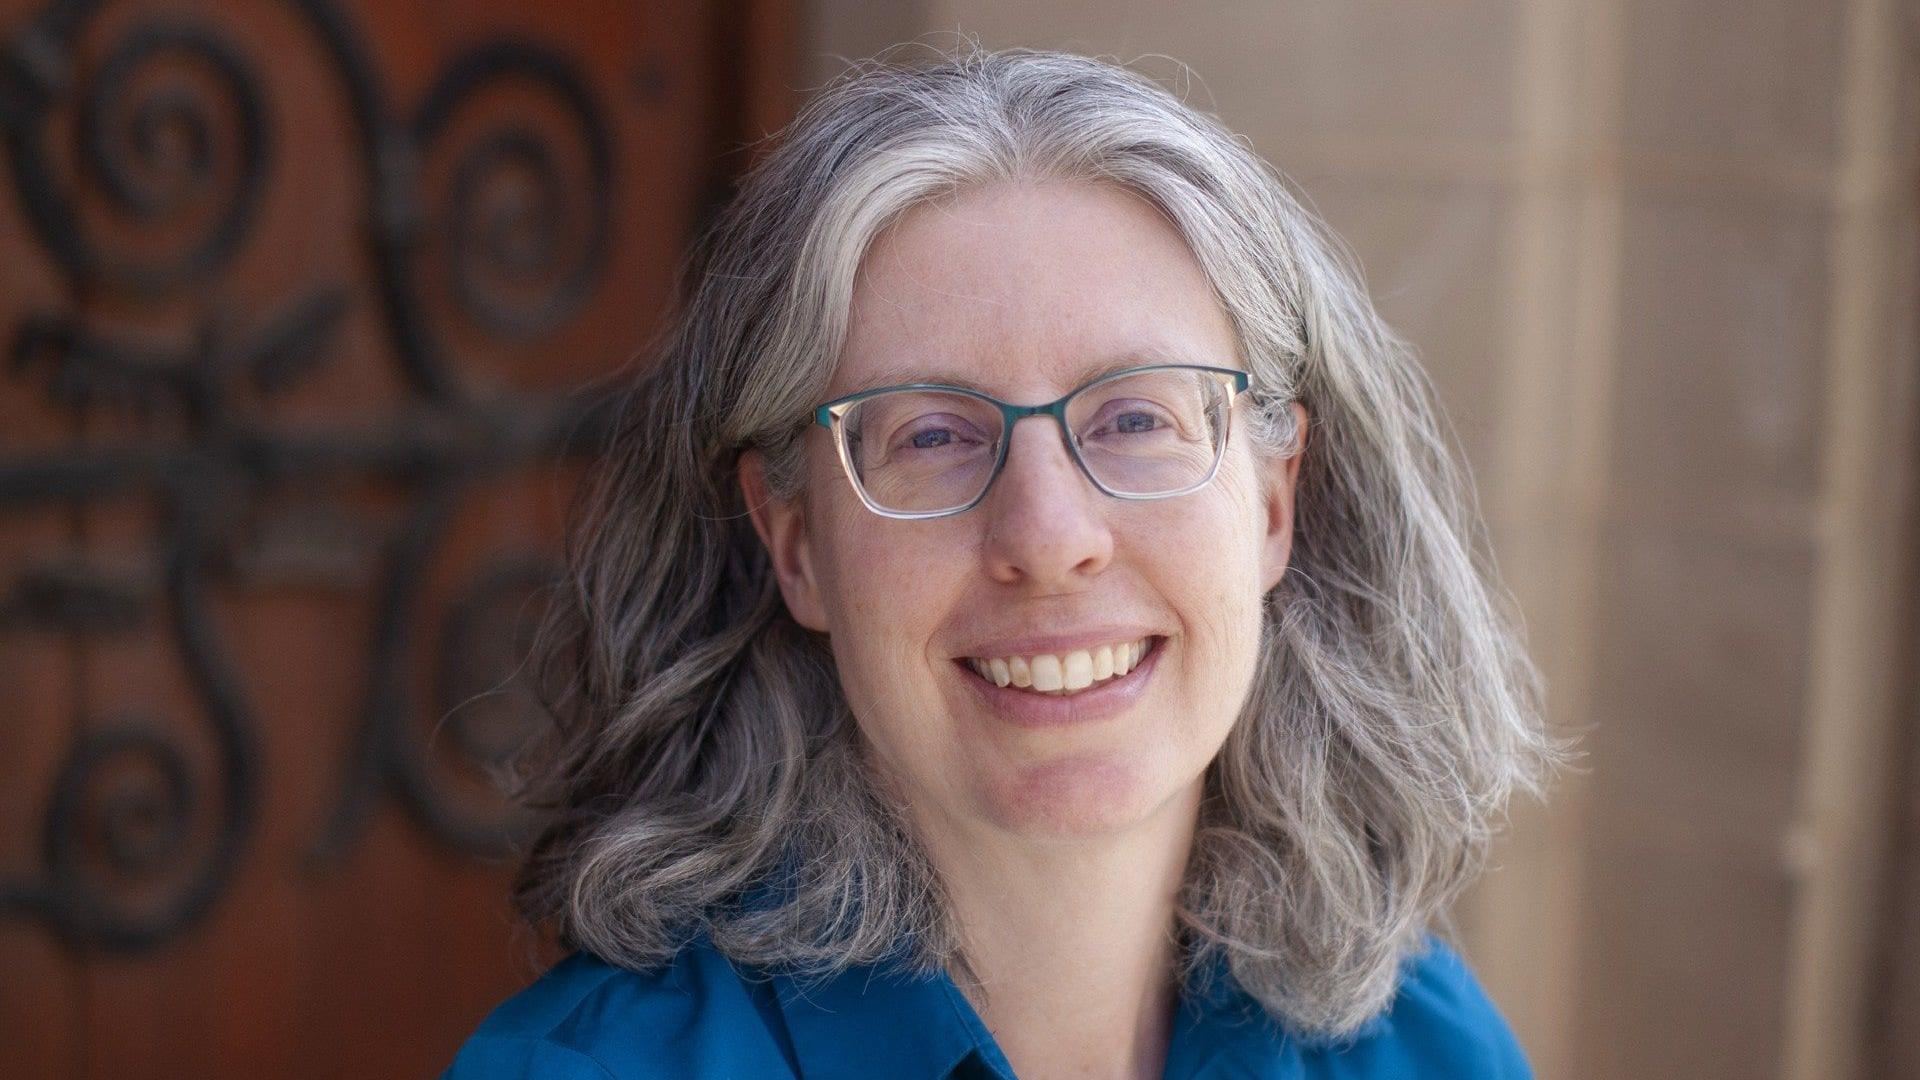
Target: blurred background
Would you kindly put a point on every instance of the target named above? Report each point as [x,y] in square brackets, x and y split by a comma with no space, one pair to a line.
[297,293]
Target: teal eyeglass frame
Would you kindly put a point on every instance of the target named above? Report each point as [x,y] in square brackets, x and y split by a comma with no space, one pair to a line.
[828,416]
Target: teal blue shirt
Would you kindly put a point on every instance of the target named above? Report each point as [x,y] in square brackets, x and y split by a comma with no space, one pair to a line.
[701,1019]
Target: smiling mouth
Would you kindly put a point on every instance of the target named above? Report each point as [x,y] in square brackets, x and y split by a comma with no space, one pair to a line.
[1064,674]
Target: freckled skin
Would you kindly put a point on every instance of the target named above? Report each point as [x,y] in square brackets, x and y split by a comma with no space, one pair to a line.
[1021,287]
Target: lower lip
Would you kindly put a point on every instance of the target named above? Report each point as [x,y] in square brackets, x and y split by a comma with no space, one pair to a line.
[1096,703]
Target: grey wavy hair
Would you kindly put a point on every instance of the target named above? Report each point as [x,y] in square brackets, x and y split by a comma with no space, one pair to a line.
[700,741]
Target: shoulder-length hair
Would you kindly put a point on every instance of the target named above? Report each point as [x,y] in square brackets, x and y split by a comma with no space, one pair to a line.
[700,738]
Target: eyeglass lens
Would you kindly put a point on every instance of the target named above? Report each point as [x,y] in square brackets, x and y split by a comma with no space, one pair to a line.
[1145,434]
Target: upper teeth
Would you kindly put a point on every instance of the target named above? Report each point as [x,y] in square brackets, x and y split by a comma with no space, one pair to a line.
[1061,673]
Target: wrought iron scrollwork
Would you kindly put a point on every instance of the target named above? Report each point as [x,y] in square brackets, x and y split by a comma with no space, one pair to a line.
[172,139]
[526,240]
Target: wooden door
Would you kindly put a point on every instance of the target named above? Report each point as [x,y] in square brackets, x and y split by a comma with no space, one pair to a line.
[302,303]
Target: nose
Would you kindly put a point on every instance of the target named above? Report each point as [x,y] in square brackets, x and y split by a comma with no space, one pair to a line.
[1046,523]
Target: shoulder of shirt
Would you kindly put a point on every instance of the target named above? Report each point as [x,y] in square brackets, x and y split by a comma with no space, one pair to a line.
[1440,1024]
[587,1019]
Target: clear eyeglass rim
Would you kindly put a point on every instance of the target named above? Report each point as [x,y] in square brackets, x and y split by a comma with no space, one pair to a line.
[828,415]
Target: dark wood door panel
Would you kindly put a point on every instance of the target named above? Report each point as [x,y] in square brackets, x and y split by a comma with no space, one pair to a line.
[301,299]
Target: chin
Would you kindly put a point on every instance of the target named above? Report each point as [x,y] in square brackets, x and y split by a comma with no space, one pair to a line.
[1076,798]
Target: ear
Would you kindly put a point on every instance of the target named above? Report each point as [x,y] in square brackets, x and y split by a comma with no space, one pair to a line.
[782,525]
[1281,481]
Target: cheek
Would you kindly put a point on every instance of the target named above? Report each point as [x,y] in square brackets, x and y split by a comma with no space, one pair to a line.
[1216,536]
[1210,558]
[885,598]
[887,591]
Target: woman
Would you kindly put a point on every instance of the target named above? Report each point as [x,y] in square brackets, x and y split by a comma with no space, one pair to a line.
[1026,624]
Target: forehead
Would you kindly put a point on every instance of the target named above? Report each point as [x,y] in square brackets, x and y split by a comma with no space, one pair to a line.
[1028,289]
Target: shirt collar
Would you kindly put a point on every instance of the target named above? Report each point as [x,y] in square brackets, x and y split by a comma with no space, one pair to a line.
[1221,1031]
[883,1020]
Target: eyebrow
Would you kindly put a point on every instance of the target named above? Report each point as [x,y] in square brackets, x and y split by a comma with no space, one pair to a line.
[903,373]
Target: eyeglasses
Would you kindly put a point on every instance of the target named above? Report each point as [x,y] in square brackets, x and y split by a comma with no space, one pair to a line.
[926,450]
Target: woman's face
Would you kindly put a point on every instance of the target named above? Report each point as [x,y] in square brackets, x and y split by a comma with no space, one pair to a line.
[1024,290]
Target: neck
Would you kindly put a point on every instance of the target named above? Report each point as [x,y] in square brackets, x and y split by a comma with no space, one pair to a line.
[1072,942]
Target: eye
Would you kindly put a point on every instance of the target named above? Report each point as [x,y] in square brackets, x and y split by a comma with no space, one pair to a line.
[937,431]
[1136,417]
